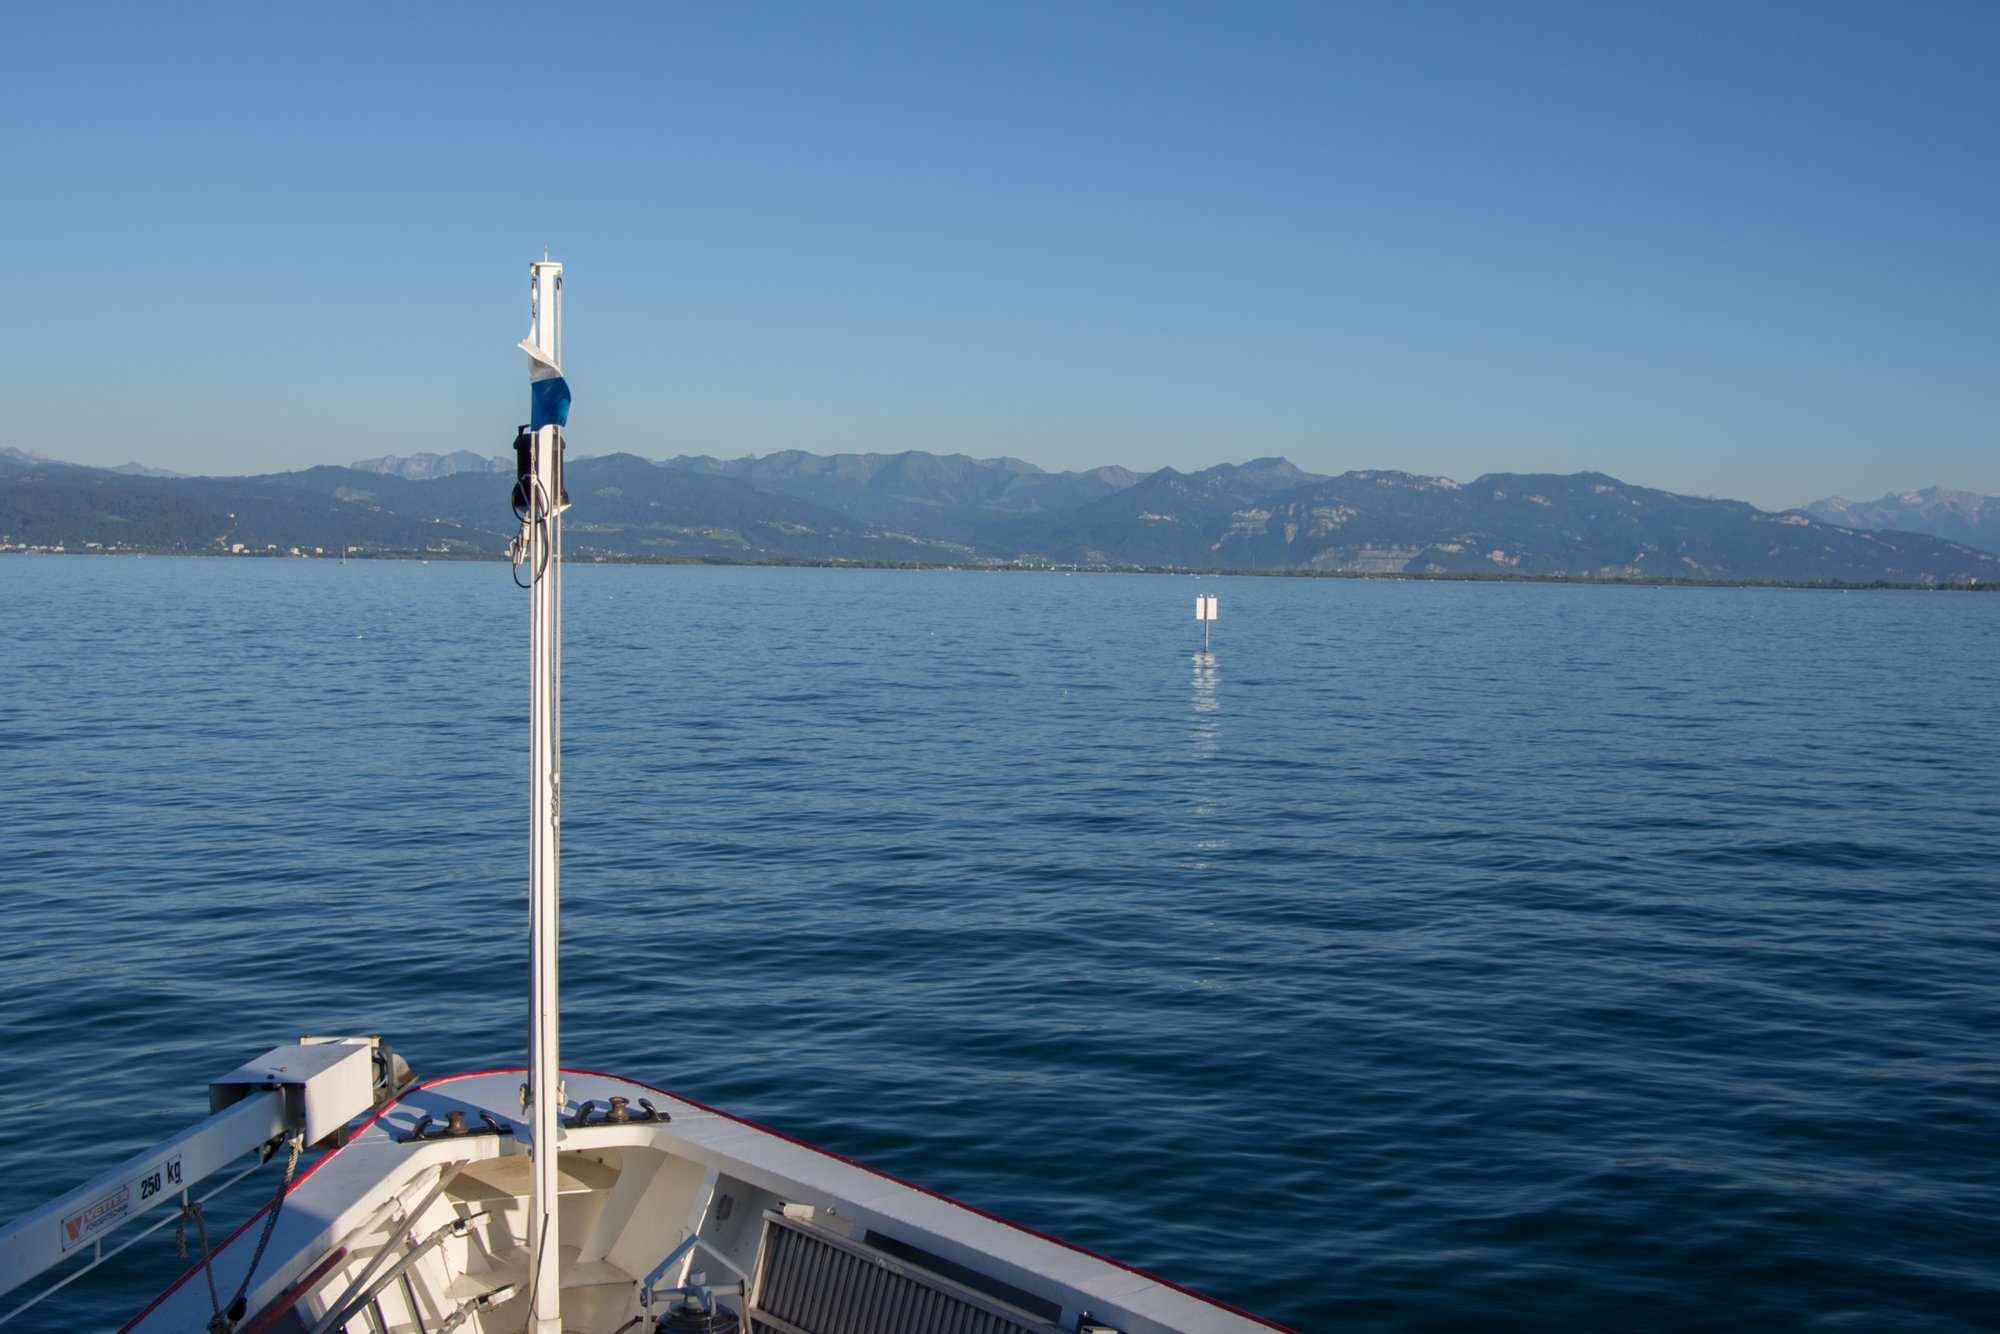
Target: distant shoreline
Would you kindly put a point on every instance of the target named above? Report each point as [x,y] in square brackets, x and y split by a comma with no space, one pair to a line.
[426,557]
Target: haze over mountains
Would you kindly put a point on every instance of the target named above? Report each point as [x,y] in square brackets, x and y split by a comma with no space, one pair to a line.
[914,507]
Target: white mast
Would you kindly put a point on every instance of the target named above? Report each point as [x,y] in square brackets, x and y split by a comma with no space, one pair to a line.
[542,547]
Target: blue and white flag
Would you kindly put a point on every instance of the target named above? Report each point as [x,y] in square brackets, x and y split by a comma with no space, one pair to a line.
[548,391]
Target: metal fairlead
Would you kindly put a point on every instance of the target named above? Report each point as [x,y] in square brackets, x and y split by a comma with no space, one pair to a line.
[454,1127]
[617,1115]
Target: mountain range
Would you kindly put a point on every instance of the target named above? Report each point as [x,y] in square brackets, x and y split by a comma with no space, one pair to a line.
[1962,516]
[921,508]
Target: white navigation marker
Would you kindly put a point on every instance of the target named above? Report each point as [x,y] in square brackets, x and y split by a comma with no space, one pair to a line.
[1204,611]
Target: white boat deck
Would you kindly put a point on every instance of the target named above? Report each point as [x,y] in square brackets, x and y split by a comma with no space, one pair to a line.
[629,1194]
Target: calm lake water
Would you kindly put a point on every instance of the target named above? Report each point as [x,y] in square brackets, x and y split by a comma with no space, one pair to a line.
[1429,956]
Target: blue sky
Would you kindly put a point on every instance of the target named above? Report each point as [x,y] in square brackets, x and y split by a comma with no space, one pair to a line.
[1728,249]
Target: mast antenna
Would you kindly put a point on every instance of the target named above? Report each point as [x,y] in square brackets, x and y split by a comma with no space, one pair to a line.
[541,501]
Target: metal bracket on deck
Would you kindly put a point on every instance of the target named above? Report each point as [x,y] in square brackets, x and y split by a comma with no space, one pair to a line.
[696,1290]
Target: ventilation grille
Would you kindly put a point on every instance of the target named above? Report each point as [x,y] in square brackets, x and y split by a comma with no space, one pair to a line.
[812,1282]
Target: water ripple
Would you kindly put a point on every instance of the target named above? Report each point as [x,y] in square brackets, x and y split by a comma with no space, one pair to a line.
[1427,956]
